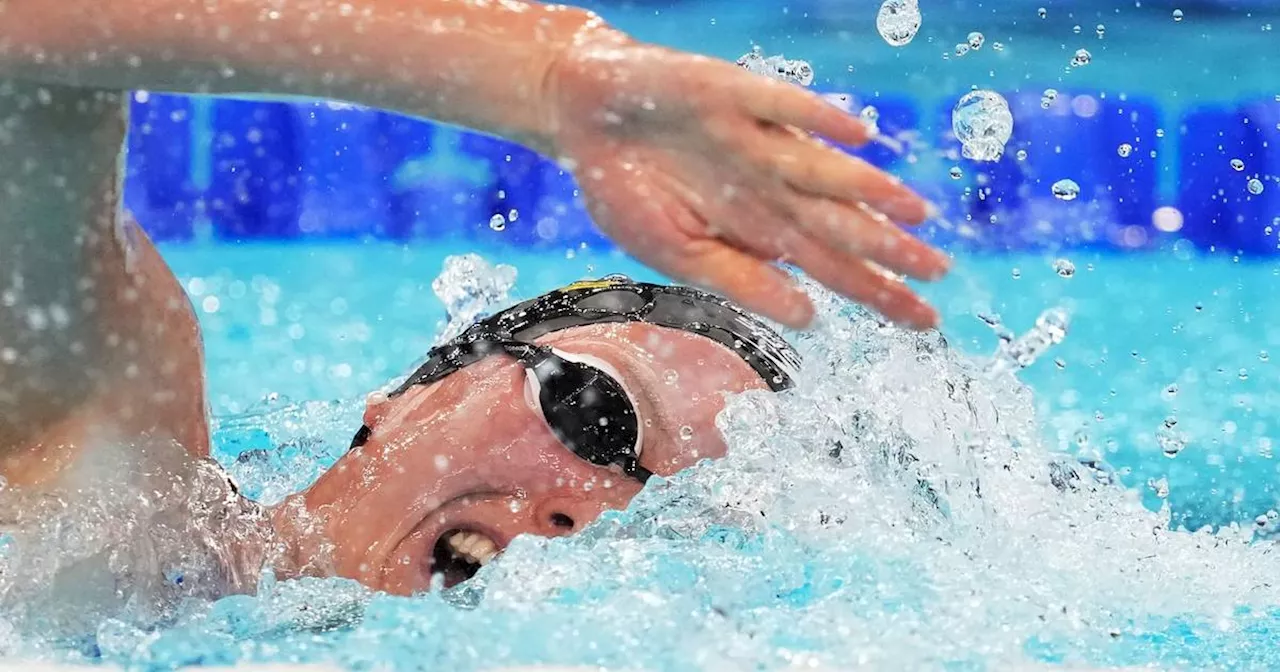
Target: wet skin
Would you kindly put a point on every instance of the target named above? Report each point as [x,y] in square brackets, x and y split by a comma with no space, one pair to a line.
[473,453]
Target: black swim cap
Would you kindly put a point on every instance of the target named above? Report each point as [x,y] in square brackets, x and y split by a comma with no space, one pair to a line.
[617,298]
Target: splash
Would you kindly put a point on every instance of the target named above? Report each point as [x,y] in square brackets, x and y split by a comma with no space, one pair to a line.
[897,510]
[469,286]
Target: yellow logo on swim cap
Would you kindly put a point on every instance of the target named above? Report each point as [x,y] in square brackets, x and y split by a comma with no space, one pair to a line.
[592,284]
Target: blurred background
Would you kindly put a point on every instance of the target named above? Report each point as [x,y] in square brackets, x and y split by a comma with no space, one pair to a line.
[1187,86]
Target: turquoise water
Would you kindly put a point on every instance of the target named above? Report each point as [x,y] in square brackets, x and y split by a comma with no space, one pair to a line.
[777,556]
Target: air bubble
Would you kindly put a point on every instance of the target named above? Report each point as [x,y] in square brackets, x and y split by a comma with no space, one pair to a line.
[1255,186]
[497,222]
[686,432]
[976,40]
[1047,98]
[1064,268]
[1101,30]
[898,21]
[1066,190]
[1021,155]
[1177,15]
[1237,165]
[983,124]
[962,49]
[1043,12]
[670,376]
[956,173]
[1082,58]
[1124,150]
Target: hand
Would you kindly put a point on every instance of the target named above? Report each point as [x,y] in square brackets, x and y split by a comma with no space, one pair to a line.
[709,174]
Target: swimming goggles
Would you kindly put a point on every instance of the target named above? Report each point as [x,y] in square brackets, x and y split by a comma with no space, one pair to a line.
[587,409]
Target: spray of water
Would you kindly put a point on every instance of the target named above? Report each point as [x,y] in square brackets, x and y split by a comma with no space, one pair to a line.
[897,510]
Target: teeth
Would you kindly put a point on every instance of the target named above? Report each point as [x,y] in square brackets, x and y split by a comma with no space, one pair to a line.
[473,547]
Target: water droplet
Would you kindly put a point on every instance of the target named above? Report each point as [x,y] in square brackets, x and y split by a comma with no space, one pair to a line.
[1082,58]
[898,21]
[1124,150]
[1101,30]
[1066,190]
[497,222]
[686,432]
[1177,15]
[983,124]
[976,40]
[1170,440]
[1255,186]
[956,173]
[1237,165]
[1047,98]
[1043,12]
[871,117]
[1064,268]
[777,67]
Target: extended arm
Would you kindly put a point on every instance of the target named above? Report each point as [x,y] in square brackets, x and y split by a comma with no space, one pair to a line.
[479,63]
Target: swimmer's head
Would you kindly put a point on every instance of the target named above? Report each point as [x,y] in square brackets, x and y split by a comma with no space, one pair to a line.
[534,422]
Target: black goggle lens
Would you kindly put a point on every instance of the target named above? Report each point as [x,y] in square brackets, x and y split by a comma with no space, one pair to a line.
[587,409]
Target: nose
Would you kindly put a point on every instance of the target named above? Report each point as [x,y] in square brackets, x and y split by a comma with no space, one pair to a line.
[559,514]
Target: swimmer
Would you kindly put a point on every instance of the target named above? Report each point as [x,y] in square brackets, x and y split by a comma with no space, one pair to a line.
[705,172]
[533,421]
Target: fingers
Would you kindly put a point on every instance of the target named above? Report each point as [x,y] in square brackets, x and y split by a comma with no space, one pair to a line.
[755,285]
[866,283]
[861,233]
[659,229]
[813,168]
[789,105]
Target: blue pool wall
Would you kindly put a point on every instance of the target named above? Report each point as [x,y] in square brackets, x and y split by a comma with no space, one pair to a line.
[238,170]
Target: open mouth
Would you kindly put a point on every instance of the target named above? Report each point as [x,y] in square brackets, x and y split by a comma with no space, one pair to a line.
[459,554]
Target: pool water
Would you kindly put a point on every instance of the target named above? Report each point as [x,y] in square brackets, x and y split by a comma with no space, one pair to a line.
[783,554]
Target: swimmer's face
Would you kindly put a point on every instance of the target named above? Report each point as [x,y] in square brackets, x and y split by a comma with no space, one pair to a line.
[453,471]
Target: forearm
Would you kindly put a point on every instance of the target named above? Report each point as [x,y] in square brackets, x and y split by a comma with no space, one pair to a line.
[477,63]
